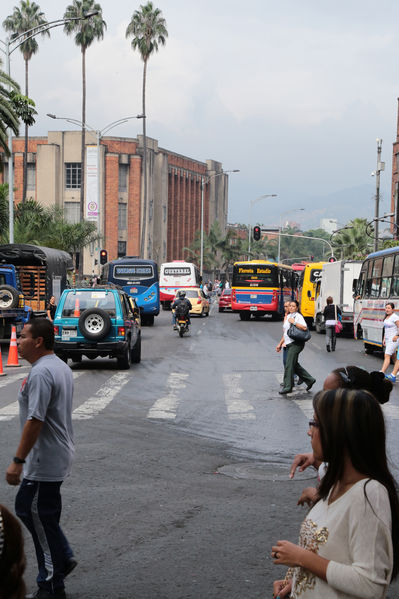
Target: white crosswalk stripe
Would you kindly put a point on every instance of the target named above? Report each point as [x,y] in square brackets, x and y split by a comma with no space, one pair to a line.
[165,408]
[98,402]
[237,408]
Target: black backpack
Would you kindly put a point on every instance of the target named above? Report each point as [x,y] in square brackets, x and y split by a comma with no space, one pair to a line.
[182,308]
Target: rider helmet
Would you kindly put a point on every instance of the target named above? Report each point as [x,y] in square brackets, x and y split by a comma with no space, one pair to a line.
[182,294]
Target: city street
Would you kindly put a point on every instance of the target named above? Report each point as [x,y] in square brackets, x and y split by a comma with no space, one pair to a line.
[180,484]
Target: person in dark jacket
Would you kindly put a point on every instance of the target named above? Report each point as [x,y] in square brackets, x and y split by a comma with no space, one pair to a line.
[182,305]
[331,314]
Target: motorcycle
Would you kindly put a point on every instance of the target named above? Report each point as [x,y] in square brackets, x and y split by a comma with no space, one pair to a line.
[182,325]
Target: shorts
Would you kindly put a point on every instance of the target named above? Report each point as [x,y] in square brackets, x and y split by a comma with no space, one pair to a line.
[391,346]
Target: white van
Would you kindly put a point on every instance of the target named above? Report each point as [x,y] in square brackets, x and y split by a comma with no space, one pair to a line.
[336,281]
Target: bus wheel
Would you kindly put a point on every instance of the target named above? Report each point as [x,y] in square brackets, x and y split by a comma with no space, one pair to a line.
[309,322]
[318,326]
[148,320]
[368,349]
[359,333]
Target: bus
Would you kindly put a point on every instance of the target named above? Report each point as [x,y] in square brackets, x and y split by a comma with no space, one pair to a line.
[308,280]
[260,287]
[139,278]
[177,275]
[378,283]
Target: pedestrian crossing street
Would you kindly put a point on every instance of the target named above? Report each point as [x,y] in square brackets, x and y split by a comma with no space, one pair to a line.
[237,406]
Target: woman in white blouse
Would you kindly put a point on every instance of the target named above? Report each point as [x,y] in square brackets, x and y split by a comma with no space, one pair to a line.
[349,541]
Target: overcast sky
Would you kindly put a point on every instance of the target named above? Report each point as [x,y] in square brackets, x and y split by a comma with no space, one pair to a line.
[294,94]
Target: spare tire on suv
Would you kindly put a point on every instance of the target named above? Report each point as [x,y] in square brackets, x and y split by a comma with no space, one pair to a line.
[94,324]
[9,297]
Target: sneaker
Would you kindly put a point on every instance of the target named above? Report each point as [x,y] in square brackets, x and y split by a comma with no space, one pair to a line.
[328,348]
[391,377]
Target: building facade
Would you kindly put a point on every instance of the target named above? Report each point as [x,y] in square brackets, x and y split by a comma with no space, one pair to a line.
[176,188]
[395,182]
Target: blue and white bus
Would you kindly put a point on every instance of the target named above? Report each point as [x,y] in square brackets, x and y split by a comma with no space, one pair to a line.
[139,278]
[378,283]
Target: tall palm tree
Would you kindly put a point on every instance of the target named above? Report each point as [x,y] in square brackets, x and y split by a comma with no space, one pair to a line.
[86,30]
[355,241]
[23,19]
[148,29]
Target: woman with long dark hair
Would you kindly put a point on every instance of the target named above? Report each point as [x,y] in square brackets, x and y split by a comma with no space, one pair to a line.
[12,557]
[293,349]
[349,541]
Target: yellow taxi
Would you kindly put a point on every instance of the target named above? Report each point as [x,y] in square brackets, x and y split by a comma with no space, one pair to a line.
[199,303]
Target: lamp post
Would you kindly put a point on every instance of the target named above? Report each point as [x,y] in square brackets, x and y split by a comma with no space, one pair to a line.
[380,167]
[279,229]
[10,45]
[252,203]
[99,134]
[205,181]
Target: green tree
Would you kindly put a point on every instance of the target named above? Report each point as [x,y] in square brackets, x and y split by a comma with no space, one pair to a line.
[8,110]
[25,18]
[4,213]
[86,31]
[355,241]
[147,27]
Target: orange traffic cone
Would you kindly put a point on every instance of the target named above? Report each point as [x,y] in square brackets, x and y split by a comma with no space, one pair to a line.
[76,311]
[2,373]
[13,351]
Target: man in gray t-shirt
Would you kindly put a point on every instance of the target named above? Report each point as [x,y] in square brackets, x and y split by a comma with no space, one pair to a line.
[45,453]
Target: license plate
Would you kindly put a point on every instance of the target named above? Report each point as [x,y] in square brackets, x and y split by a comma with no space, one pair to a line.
[68,333]
[133,290]
[253,308]
[253,296]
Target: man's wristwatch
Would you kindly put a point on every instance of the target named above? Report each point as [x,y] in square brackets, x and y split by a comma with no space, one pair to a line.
[17,460]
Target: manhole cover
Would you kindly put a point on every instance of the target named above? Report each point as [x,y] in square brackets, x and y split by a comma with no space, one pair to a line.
[275,471]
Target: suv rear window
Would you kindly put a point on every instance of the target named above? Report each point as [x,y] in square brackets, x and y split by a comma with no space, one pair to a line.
[83,300]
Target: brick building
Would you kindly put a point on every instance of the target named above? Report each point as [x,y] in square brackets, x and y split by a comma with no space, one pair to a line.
[114,188]
[395,182]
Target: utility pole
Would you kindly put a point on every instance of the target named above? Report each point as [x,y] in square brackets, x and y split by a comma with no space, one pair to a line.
[380,167]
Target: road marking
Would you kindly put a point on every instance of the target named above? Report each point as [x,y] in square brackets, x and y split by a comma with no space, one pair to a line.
[98,402]
[11,410]
[166,407]
[391,411]
[237,408]
[306,406]
[11,378]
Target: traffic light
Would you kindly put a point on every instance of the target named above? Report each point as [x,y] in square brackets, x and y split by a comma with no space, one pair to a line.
[257,232]
[332,259]
[103,256]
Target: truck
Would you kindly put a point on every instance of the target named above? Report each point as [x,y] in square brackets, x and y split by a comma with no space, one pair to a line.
[29,276]
[336,281]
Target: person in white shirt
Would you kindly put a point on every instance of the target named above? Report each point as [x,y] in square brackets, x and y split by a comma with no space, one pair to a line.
[391,334]
[293,349]
[349,541]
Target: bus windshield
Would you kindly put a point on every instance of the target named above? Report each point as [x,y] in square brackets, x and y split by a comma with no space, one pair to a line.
[255,275]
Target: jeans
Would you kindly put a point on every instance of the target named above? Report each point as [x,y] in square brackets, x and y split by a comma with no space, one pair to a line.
[38,505]
[292,367]
[331,337]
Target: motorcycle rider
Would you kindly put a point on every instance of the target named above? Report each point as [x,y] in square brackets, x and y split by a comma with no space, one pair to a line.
[181,305]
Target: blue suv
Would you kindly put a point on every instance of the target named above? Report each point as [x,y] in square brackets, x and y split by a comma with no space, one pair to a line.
[98,321]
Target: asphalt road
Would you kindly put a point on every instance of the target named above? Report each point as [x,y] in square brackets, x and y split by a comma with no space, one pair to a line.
[180,484]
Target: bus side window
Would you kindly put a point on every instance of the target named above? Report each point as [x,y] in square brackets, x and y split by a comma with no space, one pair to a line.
[386,277]
[395,278]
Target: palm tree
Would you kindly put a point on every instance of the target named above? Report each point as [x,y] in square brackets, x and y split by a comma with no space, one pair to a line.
[24,18]
[148,29]
[354,241]
[87,30]
[8,110]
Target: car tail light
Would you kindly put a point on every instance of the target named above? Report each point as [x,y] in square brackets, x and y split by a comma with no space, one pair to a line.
[56,330]
[198,301]
[233,295]
[121,331]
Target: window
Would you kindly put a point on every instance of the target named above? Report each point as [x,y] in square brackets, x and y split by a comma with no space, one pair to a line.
[122,216]
[121,249]
[386,277]
[395,278]
[31,176]
[123,176]
[73,172]
[376,278]
[72,212]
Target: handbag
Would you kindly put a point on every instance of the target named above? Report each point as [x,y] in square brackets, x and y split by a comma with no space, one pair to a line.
[338,323]
[297,334]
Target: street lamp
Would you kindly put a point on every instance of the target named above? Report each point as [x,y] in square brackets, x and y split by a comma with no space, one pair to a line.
[279,229]
[205,181]
[10,45]
[252,203]
[99,133]
[377,172]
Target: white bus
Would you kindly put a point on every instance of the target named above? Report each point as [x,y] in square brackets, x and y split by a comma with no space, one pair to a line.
[378,283]
[176,275]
